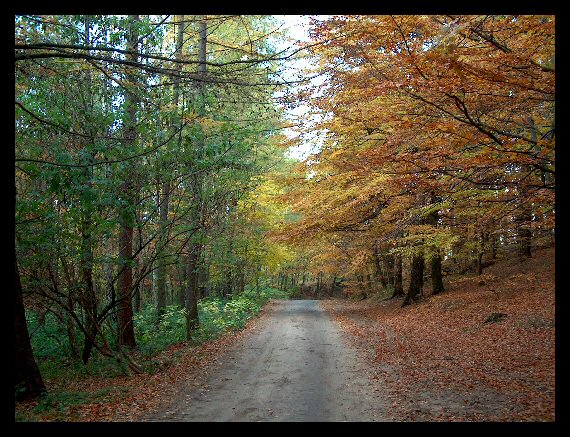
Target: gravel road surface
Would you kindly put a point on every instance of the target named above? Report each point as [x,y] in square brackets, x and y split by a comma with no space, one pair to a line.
[296,365]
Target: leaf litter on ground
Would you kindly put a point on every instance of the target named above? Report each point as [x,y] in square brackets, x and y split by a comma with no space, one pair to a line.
[484,350]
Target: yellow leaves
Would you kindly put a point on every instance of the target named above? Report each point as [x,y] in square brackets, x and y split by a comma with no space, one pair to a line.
[20,88]
[209,125]
[188,117]
[418,115]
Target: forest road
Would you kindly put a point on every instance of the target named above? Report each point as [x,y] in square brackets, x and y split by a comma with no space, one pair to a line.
[296,365]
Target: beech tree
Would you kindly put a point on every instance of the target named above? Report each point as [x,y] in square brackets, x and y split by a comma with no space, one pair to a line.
[430,104]
[151,169]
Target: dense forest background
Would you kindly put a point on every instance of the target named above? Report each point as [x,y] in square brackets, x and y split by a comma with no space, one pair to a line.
[157,200]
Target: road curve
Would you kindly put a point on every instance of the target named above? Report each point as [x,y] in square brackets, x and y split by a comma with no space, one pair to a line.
[295,366]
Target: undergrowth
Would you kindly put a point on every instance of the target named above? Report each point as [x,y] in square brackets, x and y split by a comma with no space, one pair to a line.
[59,365]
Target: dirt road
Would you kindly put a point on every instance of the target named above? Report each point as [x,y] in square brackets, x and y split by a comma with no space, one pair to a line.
[296,365]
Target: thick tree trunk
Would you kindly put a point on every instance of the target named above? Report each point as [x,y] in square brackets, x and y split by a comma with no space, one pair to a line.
[195,250]
[478,263]
[398,285]
[28,382]
[524,234]
[436,276]
[125,312]
[416,279]
[125,308]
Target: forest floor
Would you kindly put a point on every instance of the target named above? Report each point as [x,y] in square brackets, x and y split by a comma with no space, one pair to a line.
[484,350]
[128,398]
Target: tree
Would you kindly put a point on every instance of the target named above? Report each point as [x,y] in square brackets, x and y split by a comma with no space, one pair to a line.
[125,313]
[128,153]
[165,195]
[28,382]
[395,122]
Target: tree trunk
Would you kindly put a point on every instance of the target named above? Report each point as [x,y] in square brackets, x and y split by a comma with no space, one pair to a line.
[183,275]
[88,300]
[524,234]
[389,263]
[379,268]
[195,250]
[125,308]
[493,239]
[524,218]
[70,327]
[416,278]
[192,321]
[161,290]
[28,382]
[90,307]
[398,287]
[125,311]
[436,276]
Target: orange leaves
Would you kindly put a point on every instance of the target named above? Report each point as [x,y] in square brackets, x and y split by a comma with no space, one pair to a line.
[459,106]
[443,351]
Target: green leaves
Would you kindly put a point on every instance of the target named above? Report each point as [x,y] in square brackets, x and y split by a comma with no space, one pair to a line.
[79,111]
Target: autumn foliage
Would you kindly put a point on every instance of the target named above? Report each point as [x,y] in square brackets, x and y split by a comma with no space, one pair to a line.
[439,138]
[153,178]
[482,352]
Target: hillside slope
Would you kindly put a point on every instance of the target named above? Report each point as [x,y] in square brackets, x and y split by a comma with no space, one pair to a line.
[484,350]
